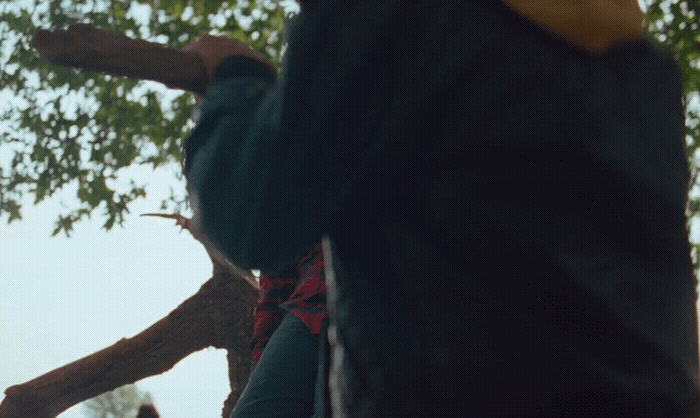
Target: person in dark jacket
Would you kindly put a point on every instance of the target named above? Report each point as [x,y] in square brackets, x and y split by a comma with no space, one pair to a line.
[500,188]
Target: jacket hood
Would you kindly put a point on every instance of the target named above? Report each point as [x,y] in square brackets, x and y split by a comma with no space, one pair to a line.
[591,24]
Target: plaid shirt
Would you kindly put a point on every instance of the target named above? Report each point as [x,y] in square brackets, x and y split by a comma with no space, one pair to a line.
[299,289]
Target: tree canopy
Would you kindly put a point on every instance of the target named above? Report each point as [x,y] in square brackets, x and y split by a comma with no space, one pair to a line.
[119,403]
[79,131]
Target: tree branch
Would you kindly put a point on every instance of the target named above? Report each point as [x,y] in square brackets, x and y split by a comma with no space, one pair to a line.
[90,48]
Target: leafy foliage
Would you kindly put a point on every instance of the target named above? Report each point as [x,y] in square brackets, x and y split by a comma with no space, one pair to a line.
[73,130]
[122,402]
[675,25]
[66,129]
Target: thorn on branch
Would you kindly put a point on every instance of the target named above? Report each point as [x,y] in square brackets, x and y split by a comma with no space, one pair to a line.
[217,258]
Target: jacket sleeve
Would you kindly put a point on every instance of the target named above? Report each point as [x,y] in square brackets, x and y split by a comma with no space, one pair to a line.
[228,160]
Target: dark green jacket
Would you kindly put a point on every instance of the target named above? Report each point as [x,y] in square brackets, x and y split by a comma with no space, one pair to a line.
[507,209]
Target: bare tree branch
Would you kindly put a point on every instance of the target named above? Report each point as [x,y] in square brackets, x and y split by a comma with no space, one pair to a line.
[90,48]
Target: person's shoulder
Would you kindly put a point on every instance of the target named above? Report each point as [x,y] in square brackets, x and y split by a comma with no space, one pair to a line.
[590,24]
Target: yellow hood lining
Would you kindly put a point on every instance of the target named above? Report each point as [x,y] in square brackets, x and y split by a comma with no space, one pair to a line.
[591,24]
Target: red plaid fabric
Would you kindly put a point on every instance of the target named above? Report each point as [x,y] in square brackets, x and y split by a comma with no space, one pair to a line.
[299,289]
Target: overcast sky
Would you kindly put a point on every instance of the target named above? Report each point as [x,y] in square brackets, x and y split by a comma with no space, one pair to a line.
[64,298]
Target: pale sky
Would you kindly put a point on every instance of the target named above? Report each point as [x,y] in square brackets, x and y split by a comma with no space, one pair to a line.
[64,298]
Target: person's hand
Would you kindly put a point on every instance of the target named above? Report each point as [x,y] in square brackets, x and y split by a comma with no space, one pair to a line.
[213,49]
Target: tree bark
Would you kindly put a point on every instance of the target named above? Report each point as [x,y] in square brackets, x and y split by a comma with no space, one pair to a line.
[90,48]
[219,315]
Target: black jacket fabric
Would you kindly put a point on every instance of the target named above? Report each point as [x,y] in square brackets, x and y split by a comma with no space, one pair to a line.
[507,210]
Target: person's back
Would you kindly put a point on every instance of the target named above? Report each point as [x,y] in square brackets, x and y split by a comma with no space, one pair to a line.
[505,208]
[524,227]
